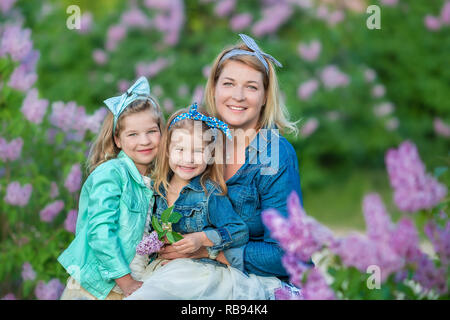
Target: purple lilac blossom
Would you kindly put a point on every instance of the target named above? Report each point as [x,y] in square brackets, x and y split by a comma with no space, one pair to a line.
[51,211]
[34,108]
[306,89]
[16,42]
[17,195]
[378,222]
[73,180]
[10,151]
[333,78]
[27,272]
[135,17]
[440,238]
[309,127]
[413,188]
[224,7]
[240,21]
[54,191]
[149,244]
[442,129]
[273,17]
[316,288]
[311,51]
[49,291]
[71,221]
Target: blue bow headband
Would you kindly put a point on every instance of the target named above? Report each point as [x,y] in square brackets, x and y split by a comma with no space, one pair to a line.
[251,44]
[212,122]
[140,90]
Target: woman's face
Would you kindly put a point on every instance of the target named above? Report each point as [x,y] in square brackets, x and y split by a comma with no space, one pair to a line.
[239,95]
[139,139]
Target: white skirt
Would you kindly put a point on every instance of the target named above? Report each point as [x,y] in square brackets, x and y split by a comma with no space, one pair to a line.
[185,279]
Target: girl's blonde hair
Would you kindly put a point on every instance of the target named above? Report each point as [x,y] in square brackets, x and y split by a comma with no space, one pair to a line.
[273,112]
[163,173]
[104,148]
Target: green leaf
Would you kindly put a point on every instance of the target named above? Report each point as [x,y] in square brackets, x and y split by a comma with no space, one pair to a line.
[161,235]
[166,214]
[170,237]
[177,236]
[175,217]
[156,225]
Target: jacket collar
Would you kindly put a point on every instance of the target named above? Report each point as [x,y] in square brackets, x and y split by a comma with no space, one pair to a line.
[129,164]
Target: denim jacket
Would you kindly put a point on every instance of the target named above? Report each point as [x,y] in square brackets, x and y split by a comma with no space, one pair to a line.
[211,213]
[270,173]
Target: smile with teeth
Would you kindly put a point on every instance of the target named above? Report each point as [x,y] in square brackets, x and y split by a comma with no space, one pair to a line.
[236,108]
[186,168]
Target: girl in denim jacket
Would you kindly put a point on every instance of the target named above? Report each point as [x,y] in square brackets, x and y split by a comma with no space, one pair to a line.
[115,201]
[188,177]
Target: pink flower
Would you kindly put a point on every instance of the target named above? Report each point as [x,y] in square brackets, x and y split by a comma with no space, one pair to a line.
[316,288]
[413,188]
[34,108]
[149,244]
[123,85]
[441,128]
[94,122]
[68,117]
[310,52]
[378,222]
[21,79]
[333,78]
[71,221]
[445,13]
[15,42]
[378,91]
[273,17]
[404,240]
[115,34]
[295,268]
[440,238]
[432,23]
[392,124]
[50,291]
[73,180]
[309,127]
[168,105]
[151,69]
[224,7]
[369,75]
[383,109]
[198,94]
[135,18]
[240,21]
[6,5]
[9,296]
[51,211]
[85,23]
[10,151]
[99,56]
[54,192]
[27,272]
[306,89]
[429,276]
[170,20]
[390,3]
[17,195]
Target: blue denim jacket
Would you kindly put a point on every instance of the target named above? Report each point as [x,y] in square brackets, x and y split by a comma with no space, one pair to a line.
[210,213]
[264,181]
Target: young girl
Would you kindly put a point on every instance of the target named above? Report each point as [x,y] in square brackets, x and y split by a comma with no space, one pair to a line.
[115,200]
[188,176]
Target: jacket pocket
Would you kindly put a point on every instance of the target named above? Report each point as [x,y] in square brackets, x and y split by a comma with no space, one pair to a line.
[248,202]
[193,220]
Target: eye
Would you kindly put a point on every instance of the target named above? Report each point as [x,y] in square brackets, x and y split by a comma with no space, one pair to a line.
[252,88]
[153,131]
[132,134]
[227,84]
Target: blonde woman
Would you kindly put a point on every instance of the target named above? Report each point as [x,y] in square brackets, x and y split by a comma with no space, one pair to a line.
[261,167]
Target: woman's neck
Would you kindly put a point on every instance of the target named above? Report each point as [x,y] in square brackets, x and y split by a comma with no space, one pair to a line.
[175,186]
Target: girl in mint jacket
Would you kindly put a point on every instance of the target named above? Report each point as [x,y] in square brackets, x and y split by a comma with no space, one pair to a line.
[115,200]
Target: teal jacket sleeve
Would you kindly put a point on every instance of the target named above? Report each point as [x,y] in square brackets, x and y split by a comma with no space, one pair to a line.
[103,220]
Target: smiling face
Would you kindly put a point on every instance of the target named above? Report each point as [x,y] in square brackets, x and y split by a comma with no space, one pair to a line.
[239,95]
[139,138]
[186,156]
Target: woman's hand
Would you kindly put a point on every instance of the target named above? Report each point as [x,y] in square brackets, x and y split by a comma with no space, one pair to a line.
[128,284]
[191,242]
[170,253]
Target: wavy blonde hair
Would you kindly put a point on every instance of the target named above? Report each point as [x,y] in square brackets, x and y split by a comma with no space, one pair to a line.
[104,147]
[162,172]
[274,112]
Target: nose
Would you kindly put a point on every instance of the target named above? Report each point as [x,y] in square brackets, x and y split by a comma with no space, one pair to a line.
[238,93]
[188,157]
[144,139]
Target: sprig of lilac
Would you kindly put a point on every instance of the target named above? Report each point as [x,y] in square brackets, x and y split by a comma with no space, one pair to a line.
[149,244]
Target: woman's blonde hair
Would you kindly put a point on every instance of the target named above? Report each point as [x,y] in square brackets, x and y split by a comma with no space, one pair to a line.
[104,148]
[163,172]
[273,112]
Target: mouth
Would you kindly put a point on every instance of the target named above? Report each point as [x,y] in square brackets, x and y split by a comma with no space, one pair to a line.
[186,169]
[145,151]
[236,108]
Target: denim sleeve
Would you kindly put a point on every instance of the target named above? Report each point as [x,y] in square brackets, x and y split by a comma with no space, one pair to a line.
[226,223]
[264,257]
[235,256]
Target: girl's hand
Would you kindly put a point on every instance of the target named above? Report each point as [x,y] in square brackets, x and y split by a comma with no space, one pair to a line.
[168,252]
[191,242]
[128,284]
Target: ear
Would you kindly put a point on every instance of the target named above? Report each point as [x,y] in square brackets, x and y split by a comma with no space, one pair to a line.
[117,141]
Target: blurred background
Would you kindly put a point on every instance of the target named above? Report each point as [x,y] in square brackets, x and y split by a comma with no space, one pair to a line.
[357,92]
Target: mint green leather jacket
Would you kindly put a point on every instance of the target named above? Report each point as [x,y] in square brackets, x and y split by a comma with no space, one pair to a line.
[113,207]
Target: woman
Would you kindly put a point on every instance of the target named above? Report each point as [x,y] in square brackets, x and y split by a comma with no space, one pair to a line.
[261,167]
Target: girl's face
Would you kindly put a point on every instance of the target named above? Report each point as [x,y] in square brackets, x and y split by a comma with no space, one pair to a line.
[186,156]
[239,95]
[139,139]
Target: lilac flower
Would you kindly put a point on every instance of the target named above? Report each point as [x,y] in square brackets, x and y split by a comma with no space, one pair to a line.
[240,21]
[9,296]
[135,18]
[123,85]
[369,75]
[432,23]
[115,34]
[316,288]
[21,79]
[50,291]
[170,20]
[440,238]
[94,122]
[332,18]
[332,77]
[306,89]
[73,180]
[85,23]
[149,244]
[10,151]
[413,188]
[54,191]
[168,105]
[441,128]
[197,96]
[404,240]
[378,222]
[383,109]
[224,7]
[99,56]
[15,42]
[392,124]
[51,211]
[429,276]
[309,127]
[378,91]
[17,195]
[34,108]
[183,90]
[445,13]
[27,272]
[151,69]
[284,294]
[71,221]
[390,3]
[68,117]
[295,268]
[357,251]
[310,52]
[206,70]
[273,17]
